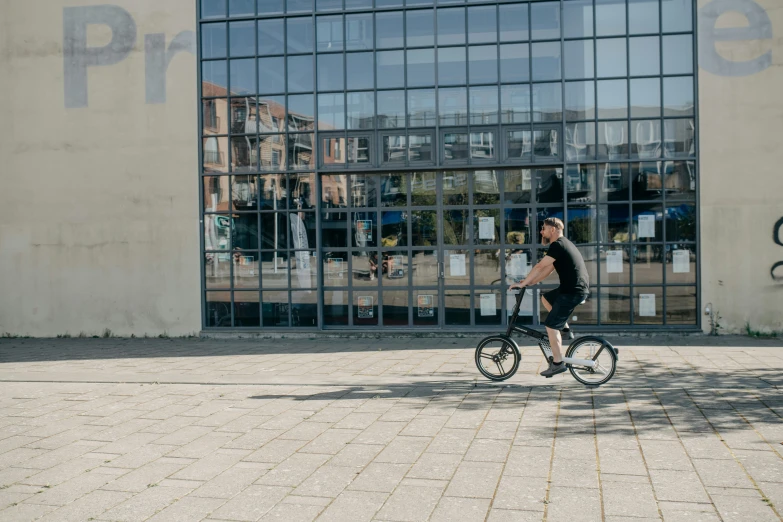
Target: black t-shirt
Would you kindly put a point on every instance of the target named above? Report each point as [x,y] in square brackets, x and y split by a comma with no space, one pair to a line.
[570,267]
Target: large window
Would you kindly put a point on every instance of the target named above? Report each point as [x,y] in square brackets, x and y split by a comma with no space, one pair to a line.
[582,109]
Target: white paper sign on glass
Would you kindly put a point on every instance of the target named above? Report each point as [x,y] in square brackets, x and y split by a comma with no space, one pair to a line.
[457,266]
[486,228]
[426,307]
[488,304]
[525,309]
[646,225]
[614,261]
[647,305]
[682,261]
[518,266]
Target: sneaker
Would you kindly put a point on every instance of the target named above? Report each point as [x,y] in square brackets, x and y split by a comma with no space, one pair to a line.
[567,333]
[554,369]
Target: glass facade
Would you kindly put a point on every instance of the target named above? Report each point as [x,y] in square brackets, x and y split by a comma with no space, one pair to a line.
[389,163]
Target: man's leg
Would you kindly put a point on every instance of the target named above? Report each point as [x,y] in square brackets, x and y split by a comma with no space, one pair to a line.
[556,343]
[566,328]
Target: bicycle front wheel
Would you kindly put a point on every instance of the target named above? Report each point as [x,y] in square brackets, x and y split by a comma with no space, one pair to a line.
[497,357]
[595,349]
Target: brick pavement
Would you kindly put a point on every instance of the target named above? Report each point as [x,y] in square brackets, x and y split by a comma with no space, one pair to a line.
[385,429]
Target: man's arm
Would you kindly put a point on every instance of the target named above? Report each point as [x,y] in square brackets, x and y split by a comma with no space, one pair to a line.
[539,272]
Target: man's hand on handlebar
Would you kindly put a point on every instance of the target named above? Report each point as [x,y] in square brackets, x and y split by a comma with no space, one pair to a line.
[516,285]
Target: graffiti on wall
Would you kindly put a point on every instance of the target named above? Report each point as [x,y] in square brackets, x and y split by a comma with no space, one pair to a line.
[78,57]
[777,236]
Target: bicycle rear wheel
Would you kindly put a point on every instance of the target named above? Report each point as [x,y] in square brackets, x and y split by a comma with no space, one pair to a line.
[595,349]
[497,357]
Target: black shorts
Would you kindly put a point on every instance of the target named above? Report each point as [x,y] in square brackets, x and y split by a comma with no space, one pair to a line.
[563,305]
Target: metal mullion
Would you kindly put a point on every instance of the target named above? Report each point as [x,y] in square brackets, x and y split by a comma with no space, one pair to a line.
[563,116]
[696,161]
[202,267]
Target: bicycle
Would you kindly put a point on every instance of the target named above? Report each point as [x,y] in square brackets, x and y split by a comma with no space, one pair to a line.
[591,360]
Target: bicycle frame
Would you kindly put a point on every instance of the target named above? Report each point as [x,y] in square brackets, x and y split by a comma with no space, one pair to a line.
[543,339]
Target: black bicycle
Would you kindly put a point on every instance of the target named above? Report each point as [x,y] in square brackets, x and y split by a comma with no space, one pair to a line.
[591,360]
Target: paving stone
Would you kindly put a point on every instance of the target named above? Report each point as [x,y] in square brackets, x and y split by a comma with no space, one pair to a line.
[722,473]
[629,499]
[293,470]
[403,450]
[251,504]
[331,441]
[410,504]
[25,512]
[528,461]
[140,479]
[232,481]
[463,509]
[285,512]
[678,486]
[144,505]
[356,455]
[187,509]
[763,466]
[688,512]
[567,503]
[72,489]
[356,506]
[327,481]
[475,480]
[509,515]
[742,508]
[428,426]
[451,440]
[210,466]
[520,494]
[379,477]
[275,451]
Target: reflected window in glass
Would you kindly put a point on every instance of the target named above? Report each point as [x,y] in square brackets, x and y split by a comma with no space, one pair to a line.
[421,108]
[301,115]
[243,76]
[483,105]
[679,138]
[361,110]
[451,66]
[514,63]
[519,145]
[391,109]
[515,103]
[514,21]
[420,28]
[612,140]
[482,24]
[451,26]
[546,143]
[329,33]
[645,55]
[330,72]
[394,149]
[517,187]
[643,16]
[609,18]
[678,98]
[360,68]
[611,56]
[646,98]
[612,99]
[579,59]
[213,40]
[580,143]
[613,182]
[646,139]
[300,35]
[546,61]
[453,106]
[678,54]
[390,68]
[331,111]
[547,102]
[300,74]
[359,32]
[545,17]
[389,30]
[578,18]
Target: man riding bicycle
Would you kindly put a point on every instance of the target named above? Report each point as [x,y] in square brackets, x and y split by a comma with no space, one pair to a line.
[565,258]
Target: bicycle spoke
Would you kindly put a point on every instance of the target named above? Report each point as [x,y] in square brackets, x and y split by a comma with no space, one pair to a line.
[502,371]
[486,356]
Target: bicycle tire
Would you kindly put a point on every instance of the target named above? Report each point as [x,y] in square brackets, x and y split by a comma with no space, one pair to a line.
[607,348]
[508,347]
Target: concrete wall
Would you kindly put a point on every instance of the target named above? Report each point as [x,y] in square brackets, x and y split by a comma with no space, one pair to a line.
[741,126]
[99,200]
